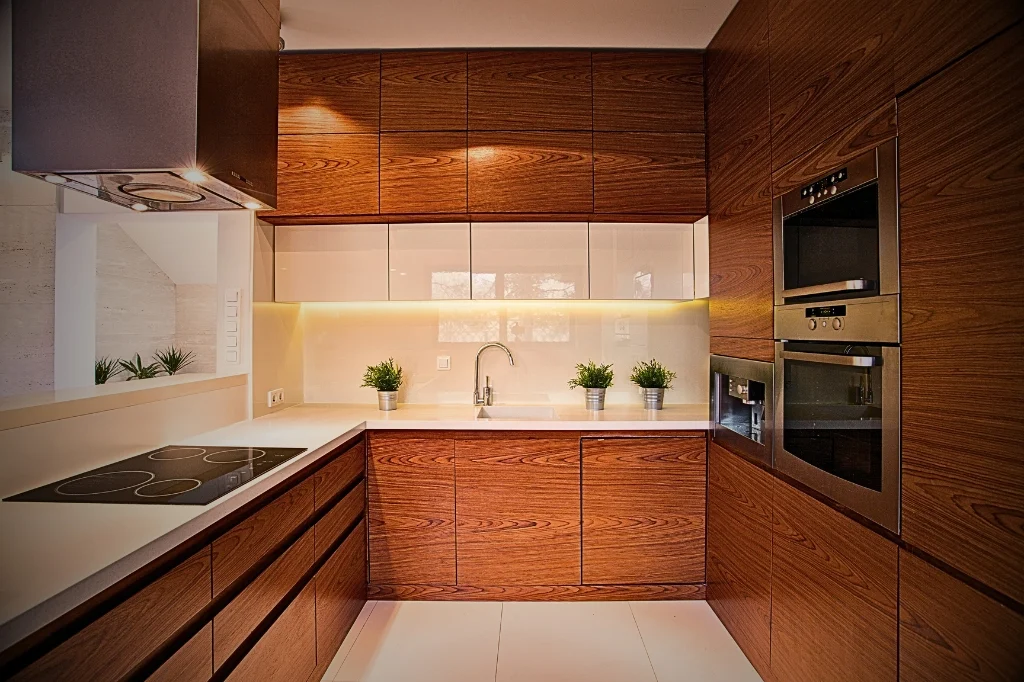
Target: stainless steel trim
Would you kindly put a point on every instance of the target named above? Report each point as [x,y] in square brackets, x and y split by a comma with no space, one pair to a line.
[882,507]
[875,319]
[827,359]
[831,288]
[754,370]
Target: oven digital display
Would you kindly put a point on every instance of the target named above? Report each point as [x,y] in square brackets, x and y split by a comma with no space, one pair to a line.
[826,311]
[822,186]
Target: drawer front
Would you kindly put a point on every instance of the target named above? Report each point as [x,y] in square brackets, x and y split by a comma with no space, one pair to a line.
[340,593]
[333,478]
[341,516]
[245,612]
[121,639]
[240,548]
[287,651]
[191,663]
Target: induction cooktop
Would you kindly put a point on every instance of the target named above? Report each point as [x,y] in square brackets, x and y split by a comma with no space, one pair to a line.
[175,474]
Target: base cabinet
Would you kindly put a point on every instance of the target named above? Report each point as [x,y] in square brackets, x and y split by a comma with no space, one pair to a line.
[643,510]
[340,595]
[287,651]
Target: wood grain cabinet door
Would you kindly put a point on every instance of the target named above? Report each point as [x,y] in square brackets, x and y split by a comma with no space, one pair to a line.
[422,90]
[643,510]
[287,651]
[740,552]
[650,173]
[328,174]
[518,517]
[193,662]
[329,93]
[336,476]
[833,595]
[650,90]
[340,595]
[411,491]
[962,277]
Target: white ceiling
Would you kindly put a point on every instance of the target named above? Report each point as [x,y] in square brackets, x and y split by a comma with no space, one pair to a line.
[384,24]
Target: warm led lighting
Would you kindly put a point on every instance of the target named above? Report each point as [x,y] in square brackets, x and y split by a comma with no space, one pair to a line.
[139,206]
[253,205]
[194,175]
[55,179]
[651,307]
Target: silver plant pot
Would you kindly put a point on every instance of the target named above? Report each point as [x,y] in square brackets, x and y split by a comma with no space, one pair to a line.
[595,398]
[387,400]
[654,398]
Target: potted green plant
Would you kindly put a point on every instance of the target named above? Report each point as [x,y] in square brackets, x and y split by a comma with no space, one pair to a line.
[172,360]
[596,379]
[106,369]
[137,370]
[653,378]
[387,379]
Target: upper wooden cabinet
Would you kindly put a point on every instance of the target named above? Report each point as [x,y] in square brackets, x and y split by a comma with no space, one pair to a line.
[649,91]
[833,595]
[423,173]
[423,90]
[331,263]
[739,571]
[643,510]
[962,285]
[519,508]
[661,173]
[932,33]
[328,174]
[530,90]
[831,68]
[329,93]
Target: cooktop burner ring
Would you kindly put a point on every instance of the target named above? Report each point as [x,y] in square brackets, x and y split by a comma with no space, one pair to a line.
[108,490]
[167,480]
[215,457]
[158,455]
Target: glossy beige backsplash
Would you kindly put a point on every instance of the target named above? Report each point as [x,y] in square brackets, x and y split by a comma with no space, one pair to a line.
[547,338]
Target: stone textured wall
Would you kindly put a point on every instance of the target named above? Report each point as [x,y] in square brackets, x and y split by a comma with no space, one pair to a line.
[196,324]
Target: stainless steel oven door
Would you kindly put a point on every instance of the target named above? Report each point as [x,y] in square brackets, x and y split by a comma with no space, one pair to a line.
[837,423]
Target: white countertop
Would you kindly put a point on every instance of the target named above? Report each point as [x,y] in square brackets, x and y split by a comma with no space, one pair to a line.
[54,556]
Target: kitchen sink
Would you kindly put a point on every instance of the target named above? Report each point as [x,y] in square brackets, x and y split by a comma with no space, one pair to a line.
[523,412]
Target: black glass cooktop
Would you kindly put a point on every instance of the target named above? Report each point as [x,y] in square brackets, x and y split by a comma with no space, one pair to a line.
[175,474]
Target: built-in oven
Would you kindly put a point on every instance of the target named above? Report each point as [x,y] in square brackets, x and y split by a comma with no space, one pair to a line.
[741,406]
[837,403]
[837,237]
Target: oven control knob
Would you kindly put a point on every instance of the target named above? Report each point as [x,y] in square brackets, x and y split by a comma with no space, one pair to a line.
[833,190]
[811,200]
[812,324]
[837,323]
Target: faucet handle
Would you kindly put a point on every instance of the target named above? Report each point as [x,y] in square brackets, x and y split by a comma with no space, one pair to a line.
[488,391]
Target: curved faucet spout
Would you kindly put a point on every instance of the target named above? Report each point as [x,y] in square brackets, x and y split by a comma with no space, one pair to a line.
[485,398]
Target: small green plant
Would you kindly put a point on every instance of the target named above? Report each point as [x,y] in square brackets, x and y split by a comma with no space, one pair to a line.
[172,360]
[106,369]
[384,377]
[592,376]
[137,370]
[652,374]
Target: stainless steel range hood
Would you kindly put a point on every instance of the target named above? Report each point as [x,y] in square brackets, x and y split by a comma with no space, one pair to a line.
[162,105]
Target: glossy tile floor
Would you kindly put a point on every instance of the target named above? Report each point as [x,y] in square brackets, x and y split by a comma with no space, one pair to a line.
[667,641]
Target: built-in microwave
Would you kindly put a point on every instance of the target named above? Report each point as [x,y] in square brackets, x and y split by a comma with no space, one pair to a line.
[837,237]
[741,406]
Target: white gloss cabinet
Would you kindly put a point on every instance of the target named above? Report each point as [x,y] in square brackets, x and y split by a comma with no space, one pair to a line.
[331,263]
[641,261]
[530,261]
[429,261]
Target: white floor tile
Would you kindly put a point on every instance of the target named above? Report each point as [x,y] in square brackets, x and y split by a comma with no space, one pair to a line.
[569,642]
[425,642]
[350,640]
[687,643]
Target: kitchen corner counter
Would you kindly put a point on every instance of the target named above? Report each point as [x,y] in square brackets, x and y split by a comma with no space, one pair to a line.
[56,556]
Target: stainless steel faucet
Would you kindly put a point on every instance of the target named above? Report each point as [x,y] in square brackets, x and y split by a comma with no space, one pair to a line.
[487,398]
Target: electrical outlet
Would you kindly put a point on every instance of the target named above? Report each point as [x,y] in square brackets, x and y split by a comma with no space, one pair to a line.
[275,397]
[444,362]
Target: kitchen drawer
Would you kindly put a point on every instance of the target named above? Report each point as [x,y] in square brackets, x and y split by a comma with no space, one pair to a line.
[113,645]
[340,594]
[341,516]
[191,663]
[333,478]
[246,611]
[287,651]
[240,548]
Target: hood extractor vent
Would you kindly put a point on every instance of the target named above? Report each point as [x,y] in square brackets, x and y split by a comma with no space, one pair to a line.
[164,106]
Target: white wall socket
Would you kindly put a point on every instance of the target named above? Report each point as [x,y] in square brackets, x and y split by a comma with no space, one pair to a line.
[275,397]
[444,362]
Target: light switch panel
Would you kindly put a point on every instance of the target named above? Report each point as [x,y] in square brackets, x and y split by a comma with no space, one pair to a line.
[231,326]
[231,311]
[444,362]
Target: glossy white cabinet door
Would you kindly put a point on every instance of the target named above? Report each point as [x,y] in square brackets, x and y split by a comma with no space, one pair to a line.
[641,261]
[530,261]
[429,261]
[701,260]
[331,263]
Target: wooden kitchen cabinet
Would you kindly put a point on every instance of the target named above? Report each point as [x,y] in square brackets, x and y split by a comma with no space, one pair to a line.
[643,510]
[649,91]
[287,650]
[739,571]
[962,285]
[518,508]
[340,596]
[329,92]
[423,173]
[423,90]
[117,642]
[328,174]
[330,480]
[411,494]
[661,173]
[331,263]
[833,595]
[193,662]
